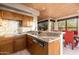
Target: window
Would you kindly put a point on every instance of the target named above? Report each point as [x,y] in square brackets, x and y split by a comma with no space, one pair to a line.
[72,24]
[43,25]
[52,25]
[68,24]
[62,25]
[46,25]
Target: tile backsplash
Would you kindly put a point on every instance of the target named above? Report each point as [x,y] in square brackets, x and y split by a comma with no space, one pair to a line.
[9,27]
[25,29]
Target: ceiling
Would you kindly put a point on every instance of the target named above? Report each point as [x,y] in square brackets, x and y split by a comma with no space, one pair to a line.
[54,10]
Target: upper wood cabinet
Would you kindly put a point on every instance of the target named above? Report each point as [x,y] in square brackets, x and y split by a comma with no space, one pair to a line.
[27,21]
[10,15]
[17,16]
[7,15]
[0,14]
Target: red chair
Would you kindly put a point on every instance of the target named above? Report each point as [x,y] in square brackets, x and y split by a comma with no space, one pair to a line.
[69,39]
[76,33]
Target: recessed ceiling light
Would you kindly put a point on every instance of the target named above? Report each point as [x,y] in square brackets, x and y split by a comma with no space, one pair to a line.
[77,10]
[43,8]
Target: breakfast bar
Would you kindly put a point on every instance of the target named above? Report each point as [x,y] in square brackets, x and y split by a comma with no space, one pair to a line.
[44,45]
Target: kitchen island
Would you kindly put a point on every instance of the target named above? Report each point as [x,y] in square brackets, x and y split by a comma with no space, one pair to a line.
[44,43]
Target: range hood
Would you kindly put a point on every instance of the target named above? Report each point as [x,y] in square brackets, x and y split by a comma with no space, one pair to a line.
[19,8]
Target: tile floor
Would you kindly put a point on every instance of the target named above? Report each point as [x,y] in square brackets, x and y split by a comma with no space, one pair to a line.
[23,52]
[68,51]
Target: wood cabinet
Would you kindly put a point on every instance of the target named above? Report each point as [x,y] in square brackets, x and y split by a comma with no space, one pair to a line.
[43,48]
[27,21]
[0,14]
[12,44]
[40,50]
[6,46]
[29,43]
[7,15]
[54,48]
[48,49]
[10,15]
[19,43]
[31,46]
[35,48]
[34,45]
[17,16]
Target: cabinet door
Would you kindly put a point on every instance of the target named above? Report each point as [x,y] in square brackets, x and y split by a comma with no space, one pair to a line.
[6,47]
[0,14]
[7,15]
[57,47]
[27,21]
[19,44]
[54,48]
[40,50]
[29,43]
[35,48]
[17,16]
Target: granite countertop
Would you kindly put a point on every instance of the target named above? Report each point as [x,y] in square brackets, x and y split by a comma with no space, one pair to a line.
[47,38]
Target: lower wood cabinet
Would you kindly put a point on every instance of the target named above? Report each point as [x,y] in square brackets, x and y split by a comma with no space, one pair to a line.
[29,44]
[54,48]
[34,47]
[20,43]
[12,44]
[43,48]
[39,50]
[6,46]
